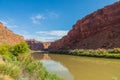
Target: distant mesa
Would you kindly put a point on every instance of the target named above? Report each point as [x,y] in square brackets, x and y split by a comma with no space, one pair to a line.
[8,37]
[38,45]
[101,29]
[35,45]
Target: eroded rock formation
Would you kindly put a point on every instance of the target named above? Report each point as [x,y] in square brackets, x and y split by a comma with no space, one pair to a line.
[35,45]
[46,45]
[38,45]
[101,29]
[8,37]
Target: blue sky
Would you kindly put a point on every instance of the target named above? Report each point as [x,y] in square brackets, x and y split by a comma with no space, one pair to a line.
[46,20]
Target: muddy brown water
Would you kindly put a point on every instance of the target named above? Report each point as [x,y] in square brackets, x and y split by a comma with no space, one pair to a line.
[80,68]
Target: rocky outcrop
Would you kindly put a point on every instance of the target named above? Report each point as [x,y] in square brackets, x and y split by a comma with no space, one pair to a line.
[38,45]
[8,37]
[101,29]
[35,45]
[46,45]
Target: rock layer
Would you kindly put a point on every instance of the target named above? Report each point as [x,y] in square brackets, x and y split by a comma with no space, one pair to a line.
[38,45]
[8,37]
[101,29]
[35,45]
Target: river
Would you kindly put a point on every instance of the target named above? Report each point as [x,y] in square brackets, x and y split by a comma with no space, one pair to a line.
[80,68]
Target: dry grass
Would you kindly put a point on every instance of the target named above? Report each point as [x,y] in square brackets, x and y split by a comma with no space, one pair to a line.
[5,77]
[1,60]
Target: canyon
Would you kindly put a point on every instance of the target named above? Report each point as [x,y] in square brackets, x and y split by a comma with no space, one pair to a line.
[100,29]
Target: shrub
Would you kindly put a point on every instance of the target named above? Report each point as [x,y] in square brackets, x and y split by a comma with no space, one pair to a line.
[21,78]
[116,50]
[11,70]
[92,53]
[4,50]
[17,61]
[35,68]
[100,51]
[20,48]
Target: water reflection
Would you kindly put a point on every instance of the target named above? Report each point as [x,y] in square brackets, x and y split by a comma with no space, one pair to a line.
[46,56]
[82,68]
[56,67]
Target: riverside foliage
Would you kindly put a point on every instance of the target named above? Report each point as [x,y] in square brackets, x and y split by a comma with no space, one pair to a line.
[104,53]
[16,63]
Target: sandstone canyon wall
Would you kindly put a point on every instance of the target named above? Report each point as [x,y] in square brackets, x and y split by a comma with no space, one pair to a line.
[8,37]
[35,45]
[46,45]
[101,29]
[38,45]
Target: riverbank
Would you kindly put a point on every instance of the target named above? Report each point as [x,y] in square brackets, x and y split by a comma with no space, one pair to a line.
[101,53]
[16,63]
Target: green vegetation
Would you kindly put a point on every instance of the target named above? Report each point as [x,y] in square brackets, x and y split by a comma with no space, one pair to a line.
[20,48]
[11,70]
[16,63]
[4,49]
[104,53]
[35,68]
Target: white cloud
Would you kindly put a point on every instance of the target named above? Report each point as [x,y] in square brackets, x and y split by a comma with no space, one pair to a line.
[8,24]
[37,18]
[57,33]
[3,22]
[48,15]
[26,34]
[39,38]
[44,36]
[52,35]
[53,15]
[11,26]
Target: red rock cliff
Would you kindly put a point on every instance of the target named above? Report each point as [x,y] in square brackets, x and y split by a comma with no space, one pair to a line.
[37,45]
[101,29]
[46,45]
[8,37]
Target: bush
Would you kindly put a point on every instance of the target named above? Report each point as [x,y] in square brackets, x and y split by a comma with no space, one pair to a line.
[115,50]
[11,70]
[4,50]
[100,51]
[35,68]
[92,53]
[20,48]
[17,61]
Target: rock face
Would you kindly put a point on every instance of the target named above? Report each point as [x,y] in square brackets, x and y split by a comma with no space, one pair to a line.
[8,37]
[101,29]
[46,45]
[37,45]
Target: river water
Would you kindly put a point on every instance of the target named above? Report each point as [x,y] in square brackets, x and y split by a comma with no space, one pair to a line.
[80,68]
